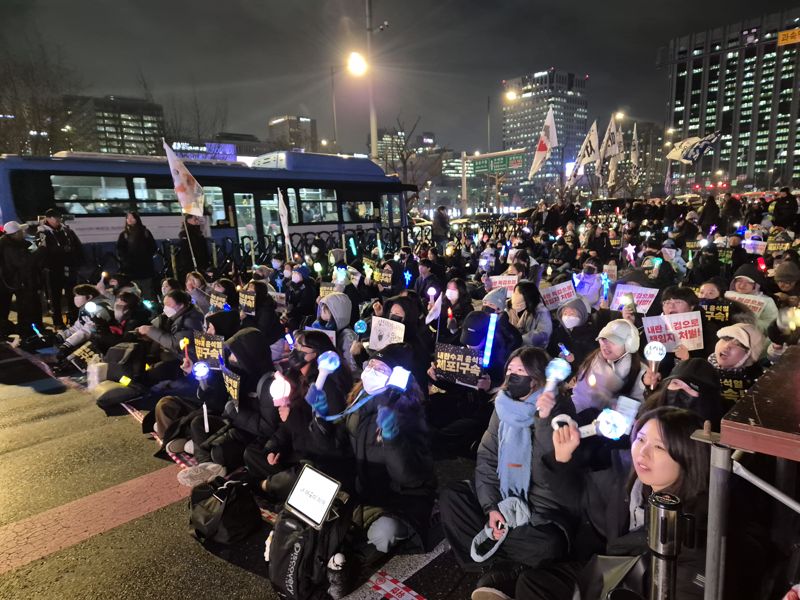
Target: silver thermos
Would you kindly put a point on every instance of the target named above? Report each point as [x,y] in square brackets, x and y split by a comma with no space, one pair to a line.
[669,528]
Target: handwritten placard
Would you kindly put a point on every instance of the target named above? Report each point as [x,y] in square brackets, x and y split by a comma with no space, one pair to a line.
[208,348]
[504,281]
[680,329]
[385,332]
[756,304]
[247,302]
[642,297]
[232,384]
[556,295]
[458,364]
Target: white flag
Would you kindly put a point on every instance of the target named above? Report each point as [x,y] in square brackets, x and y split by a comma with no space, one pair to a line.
[547,141]
[283,213]
[587,154]
[635,149]
[190,193]
[681,148]
[609,146]
[615,159]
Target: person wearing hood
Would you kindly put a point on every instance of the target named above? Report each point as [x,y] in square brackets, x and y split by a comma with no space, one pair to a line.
[276,459]
[334,314]
[739,255]
[748,280]
[301,296]
[266,318]
[694,385]
[19,276]
[735,358]
[787,276]
[511,477]
[392,272]
[222,447]
[496,302]
[614,369]
[385,432]
[672,254]
[685,230]
[785,209]
[135,249]
[63,254]
[529,315]
[346,280]
[199,290]
[575,329]
[588,283]
[94,311]
[709,216]
[227,289]
[193,254]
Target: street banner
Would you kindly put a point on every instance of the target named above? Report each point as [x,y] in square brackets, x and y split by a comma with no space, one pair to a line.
[681,329]
[247,302]
[325,288]
[504,281]
[189,192]
[218,301]
[642,297]
[458,364]
[208,348]
[385,332]
[280,301]
[232,384]
[547,141]
[756,304]
[556,295]
[611,271]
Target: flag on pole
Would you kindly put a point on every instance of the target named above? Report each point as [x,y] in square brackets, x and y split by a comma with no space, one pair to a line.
[690,150]
[615,159]
[547,141]
[610,146]
[668,179]
[190,193]
[586,155]
[635,154]
[283,213]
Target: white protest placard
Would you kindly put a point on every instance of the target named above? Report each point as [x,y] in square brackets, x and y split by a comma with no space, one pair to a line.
[755,303]
[611,271]
[504,281]
[680,329]
[556,295]
[385,332]
[642,297]
[755,246]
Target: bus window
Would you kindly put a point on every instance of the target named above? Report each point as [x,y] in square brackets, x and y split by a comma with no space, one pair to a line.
[154,198]
[90,194]
[318,205]
[270,215]
[245,215]
[391,207]
[359,206]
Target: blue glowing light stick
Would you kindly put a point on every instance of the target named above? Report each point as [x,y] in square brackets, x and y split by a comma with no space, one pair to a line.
[487,350]
[148,304]
[360,327]
[289,340]
[557,371]
[407,275]
[352,243]
[327,363]
[380,247]
[226,307]
[606,283]
[200,370]
[36,331]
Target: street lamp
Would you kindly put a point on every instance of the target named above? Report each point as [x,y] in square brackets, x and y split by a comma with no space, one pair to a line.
[511,95]
[671,130]
[619,116]
[357,64]
[323,142]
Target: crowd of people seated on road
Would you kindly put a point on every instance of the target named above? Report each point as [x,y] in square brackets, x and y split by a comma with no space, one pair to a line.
[499,335]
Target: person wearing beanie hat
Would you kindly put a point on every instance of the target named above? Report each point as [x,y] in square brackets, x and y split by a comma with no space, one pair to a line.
[11,227]
[748,280]
[573,328]
[611,370]
[736,359]
[496,298]
[19,276]
[787,276]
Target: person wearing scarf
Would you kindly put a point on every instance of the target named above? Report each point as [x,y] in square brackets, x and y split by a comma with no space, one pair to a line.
[735,359]
[512,480]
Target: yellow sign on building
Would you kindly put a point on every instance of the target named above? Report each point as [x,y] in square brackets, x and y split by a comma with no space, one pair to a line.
[789,36]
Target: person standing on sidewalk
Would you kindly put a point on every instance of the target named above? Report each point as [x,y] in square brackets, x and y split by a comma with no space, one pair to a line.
[63,254]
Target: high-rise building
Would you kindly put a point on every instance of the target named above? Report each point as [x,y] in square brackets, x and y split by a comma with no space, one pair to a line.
[292,132]
[391,145]
[739,79]
[648,178]
[523,117]
[114,124]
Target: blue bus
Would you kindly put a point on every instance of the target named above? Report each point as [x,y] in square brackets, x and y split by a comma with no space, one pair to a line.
[329,198]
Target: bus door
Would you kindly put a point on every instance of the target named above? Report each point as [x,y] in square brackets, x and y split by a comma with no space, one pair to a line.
[256,216]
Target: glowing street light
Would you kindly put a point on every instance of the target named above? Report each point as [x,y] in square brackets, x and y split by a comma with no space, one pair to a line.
[671,130]
[511,95]
[323,142]
[619,116]
[357,64]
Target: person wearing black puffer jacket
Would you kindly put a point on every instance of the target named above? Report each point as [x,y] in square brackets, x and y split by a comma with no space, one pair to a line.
[265,319]
[575,329]
[385,432]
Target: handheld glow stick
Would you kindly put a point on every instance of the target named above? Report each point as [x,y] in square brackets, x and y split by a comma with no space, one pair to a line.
[91,307]
[36,331]
[654,352]
[226,307]
[327,363]
[205,418]
[564,350]
[431,293]
[280,388]
[407,275]
[360,327]
[487,350]
[606,283]
[289,340]
[380,247]
[104,274]
[557,371]
[200,371]
[399,378]
[184,345]
[352,243]
[609,423]
[628,299]
[317,267]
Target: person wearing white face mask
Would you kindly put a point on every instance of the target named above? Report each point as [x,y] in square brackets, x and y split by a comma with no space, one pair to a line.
[455,306]
[575,328]
[395,483]
[93,310]
[301,296]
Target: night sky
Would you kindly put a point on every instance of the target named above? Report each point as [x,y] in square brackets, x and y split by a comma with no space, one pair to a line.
[438,59]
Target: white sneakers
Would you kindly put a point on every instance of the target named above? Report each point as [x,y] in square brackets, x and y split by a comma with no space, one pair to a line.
[202,473]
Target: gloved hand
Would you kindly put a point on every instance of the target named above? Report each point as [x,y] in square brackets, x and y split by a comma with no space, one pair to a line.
[317,400]
[387,423]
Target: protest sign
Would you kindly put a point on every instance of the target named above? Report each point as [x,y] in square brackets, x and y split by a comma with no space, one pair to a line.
[331,334]
[232,383]
[615,242]
[611,271]
[218,301]
[458,364]
[325,288]
[693,245]
[734,387]
[85,355]
[385,332]
[247,302]
[755,246]
[486,262]
[504,281]
[642,297]
[208,348]
[280,301]
[755,303]
[778,246]
[681,329]
[369,264]
[556,295]
[725,255]
[385,279]
[717,310]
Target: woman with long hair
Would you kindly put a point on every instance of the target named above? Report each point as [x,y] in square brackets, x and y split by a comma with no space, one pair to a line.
[135,249]
[529,315]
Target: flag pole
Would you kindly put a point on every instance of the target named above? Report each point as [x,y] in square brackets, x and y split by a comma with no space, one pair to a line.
[189,241]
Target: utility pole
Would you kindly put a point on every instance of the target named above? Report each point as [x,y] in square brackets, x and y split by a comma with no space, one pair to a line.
[373,119]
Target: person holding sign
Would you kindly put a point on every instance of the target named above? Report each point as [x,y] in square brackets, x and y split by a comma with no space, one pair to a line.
[455,306]
[747,280]
[735,358]
[93,312]
[199,290]
[384,425]
[529,315]
[301,296]
[511,476]
[266,318]
[225,289]
[334,315]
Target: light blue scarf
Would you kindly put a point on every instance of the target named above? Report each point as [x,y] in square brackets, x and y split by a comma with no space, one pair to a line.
[514,443]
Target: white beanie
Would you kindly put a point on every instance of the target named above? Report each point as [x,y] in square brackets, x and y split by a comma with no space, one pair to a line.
[12,227]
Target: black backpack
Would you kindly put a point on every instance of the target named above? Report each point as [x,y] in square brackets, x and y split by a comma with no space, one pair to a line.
[125,359]
[223,511]
[299,554]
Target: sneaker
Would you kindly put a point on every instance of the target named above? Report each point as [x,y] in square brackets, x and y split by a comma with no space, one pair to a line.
[487,593]
[176,446]
[188,448]
[202,473]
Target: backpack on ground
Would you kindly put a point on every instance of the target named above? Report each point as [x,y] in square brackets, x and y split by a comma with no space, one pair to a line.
[223,511]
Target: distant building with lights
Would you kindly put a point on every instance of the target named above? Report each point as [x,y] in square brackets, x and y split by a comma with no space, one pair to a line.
[524,116]
[739,79]
[648,178]
[114,124]
[293,132]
